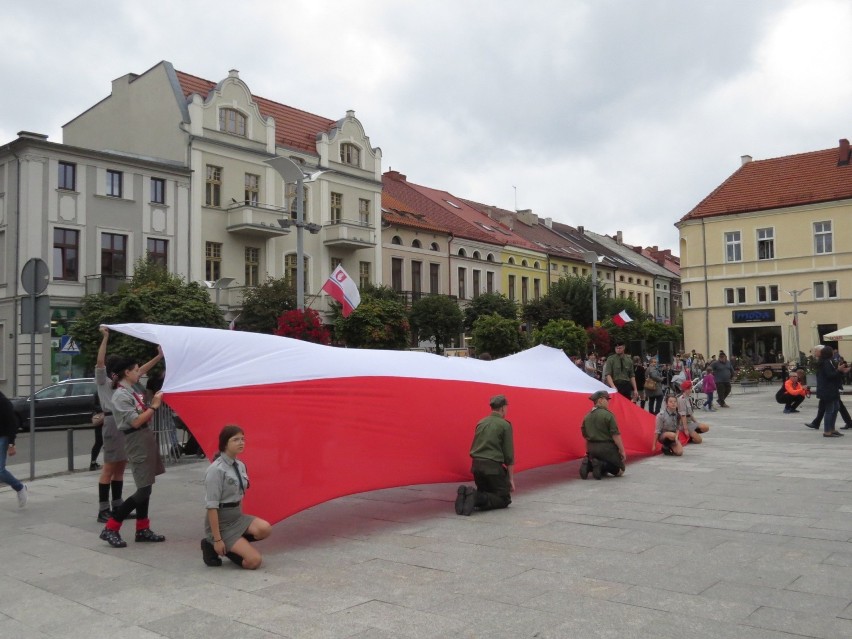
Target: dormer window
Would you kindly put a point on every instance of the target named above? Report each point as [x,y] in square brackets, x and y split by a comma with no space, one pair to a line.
[232,121]
[350,154]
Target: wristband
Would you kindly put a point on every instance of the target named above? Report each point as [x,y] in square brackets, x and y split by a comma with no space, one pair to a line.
[216,541]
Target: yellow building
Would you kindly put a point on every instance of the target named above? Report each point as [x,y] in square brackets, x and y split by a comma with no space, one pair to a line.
[765,262]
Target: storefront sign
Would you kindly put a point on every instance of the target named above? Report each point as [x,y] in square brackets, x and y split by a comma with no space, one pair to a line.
[762,315]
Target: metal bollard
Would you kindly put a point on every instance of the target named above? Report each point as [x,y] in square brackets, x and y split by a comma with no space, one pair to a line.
[70,432]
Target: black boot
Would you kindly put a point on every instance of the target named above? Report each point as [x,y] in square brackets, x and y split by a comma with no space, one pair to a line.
[209,554]
[237,559]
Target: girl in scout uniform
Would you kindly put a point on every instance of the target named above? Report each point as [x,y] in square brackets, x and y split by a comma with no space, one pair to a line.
[131,418]
[228,530]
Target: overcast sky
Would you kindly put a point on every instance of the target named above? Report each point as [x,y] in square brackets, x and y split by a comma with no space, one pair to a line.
[615,114]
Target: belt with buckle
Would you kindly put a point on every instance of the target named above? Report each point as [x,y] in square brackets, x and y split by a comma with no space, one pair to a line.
[230,504]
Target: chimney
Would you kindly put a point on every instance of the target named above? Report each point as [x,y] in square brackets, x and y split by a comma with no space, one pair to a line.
[548,222]
[843,159]
[528,217]
[395,175]
[618,237]
[32,136]
[745,159]
[234,73]
[581,229]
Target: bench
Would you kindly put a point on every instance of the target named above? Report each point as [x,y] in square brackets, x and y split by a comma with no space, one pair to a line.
[748,385]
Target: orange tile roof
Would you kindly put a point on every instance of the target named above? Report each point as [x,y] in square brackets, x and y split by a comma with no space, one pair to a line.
[396,212]
[806,178]
[293,128]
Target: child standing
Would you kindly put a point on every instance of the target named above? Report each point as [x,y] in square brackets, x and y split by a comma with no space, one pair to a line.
[708,386]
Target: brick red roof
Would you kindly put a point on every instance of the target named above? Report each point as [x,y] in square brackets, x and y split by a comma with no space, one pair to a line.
[293,128]
[806,178]
[398,213]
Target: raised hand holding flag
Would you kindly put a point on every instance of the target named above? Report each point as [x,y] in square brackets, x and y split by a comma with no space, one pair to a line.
[341,287]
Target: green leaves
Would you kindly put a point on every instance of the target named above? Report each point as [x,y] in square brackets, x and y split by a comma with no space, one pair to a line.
[436,317]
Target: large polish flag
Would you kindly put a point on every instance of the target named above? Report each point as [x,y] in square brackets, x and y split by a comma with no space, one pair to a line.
[322,422]
[341,287]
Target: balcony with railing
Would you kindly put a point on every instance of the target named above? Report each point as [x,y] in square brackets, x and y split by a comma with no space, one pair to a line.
[352,234]
[256,220]
[409,297]
[105,283]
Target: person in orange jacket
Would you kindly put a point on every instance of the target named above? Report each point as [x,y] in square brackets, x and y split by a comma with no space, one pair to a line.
[794,393]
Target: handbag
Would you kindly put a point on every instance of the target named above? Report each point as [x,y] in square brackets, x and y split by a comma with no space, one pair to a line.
[650,384]
[97,419]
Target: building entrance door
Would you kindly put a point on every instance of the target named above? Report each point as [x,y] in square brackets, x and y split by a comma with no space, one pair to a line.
[756,344]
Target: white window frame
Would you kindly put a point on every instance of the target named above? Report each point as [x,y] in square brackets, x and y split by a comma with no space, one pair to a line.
[765,238]
[733,247]
[822,290]
[735,296]
[823,235]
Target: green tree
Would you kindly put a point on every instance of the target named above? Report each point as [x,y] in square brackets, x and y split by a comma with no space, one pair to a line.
[569,298]
[436,317]
[498,336]
[152,296]
[264,304]
[488,304]
[564,334]
[379,322]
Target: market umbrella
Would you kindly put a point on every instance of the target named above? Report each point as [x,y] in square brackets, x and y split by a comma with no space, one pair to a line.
[844,334]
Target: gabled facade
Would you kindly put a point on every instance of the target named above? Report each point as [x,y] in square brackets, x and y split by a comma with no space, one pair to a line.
[774,228]
[90,216]
[223,134]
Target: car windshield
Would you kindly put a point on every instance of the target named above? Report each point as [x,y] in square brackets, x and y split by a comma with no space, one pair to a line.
[52,392]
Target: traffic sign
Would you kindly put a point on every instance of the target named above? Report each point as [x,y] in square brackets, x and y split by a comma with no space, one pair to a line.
[35,276]
[68,346]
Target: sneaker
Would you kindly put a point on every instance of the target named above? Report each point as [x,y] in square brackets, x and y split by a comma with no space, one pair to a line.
[847,427]
[809,425]
[584,468]
[667,450]
[460,495]
[113,538]
[597,468]
[94,466]
[22,496]
[787,411]
[104,515]
[146,534]
[469,501]
[209,555]
[794,410]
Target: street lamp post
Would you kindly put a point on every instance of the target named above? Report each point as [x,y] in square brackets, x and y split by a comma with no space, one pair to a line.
[593,258]
[291,172]
[795,313]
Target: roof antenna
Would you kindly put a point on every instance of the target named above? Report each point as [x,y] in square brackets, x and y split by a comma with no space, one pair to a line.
[516,198]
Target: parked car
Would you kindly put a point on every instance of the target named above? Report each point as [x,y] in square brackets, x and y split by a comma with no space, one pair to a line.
[68,403]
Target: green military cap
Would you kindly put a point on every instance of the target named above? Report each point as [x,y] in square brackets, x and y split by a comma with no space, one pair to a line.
[599,395]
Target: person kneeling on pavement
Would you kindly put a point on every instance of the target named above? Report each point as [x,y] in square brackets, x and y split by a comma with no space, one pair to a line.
[667,429]
[604,448]
[688,422]
[493,455]
[794,393]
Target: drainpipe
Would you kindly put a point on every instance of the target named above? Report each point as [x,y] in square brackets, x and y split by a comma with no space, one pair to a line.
[15,291]
[706,292]
[450,265]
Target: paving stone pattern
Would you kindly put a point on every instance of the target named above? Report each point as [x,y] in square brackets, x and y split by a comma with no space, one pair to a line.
[745,536]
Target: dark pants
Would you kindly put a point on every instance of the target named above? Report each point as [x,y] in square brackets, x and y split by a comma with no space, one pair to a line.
[492,484]
[830,408]
[723,389]
[99,442]
[625,388]
[654,404]
[792,402]
[607,453]
[844,413]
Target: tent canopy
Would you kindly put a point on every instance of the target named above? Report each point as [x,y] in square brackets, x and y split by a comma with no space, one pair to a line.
[844,334]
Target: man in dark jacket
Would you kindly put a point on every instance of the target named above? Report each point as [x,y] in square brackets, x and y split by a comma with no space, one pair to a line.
[8,432]
[829,378]
[723,373]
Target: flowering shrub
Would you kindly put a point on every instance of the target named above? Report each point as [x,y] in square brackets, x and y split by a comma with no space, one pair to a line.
[304,325]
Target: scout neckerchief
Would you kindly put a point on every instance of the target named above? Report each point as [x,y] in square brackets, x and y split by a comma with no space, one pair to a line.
[140,401]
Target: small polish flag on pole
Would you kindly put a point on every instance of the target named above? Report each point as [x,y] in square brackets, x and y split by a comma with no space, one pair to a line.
[341,287]
[232,325]
[621,319]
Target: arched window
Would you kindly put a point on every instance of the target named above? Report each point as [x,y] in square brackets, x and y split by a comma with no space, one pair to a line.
[435,246]
[232,121]
[396,240]
[523,263]
[350,154]
[511,260]
[490,257]
[476,255]
[462,253]
[416,244]
[537,265]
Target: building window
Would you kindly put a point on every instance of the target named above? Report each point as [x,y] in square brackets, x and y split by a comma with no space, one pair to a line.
[232,121]
[765,244]
[434,278]
[252,266]
[336,208]
[822,237]
[554,267]
[335,262]
[158,252]
[733,247]
[113,183]
[396,274]
[67,176]
[252,189]
[489,282]
[350,154]
[825,290]
[512,287]
[536,289]
[462,279]
[213,261]
[687,298]
[364,212]
[397,240]
[477,275]
[364,274]
[66,251]
[113,254]
[291,272]
[767,293]
[434,247]
[293,201]
[525,290]
[213,194]
[735,295]
[158,191]
[416,244]
[416,282]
